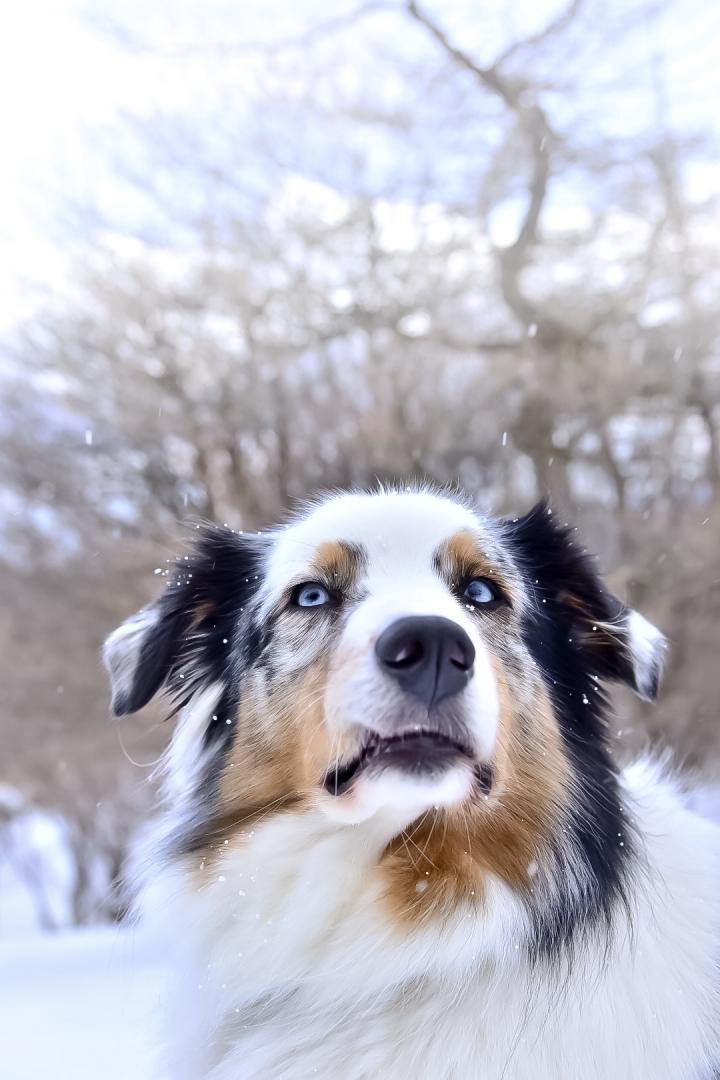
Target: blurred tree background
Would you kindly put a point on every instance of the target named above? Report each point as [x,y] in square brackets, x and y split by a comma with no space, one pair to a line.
[458,241]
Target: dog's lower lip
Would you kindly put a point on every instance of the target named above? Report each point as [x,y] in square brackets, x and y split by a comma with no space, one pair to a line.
[422,745]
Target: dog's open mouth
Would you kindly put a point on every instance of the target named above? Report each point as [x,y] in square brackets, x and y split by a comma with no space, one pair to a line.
[418,752]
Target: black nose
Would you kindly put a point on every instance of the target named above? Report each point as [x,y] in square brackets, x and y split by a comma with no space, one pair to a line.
[427,655]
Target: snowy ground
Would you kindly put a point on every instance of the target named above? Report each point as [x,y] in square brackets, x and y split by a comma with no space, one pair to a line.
[79,1005]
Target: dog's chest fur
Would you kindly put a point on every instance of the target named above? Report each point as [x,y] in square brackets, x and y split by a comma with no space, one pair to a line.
[293,969]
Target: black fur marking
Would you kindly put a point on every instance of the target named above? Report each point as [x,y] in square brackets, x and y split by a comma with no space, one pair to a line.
[203,632]
[650,691]
[222,721]
[157,655]
[256,641]
[484,777]
[216,585]
[566,593]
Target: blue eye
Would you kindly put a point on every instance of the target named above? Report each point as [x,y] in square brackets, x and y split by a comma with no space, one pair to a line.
[310,595]
[480,591]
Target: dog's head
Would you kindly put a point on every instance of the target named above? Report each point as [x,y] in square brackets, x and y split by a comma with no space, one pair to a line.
[391,651]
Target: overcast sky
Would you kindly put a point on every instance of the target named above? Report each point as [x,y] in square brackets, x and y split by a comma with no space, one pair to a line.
[64,81]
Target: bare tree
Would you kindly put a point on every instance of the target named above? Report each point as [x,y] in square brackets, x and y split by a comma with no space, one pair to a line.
[456,269]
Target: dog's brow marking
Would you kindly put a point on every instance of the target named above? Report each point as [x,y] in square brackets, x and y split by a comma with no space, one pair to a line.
[338,561]
[461,557]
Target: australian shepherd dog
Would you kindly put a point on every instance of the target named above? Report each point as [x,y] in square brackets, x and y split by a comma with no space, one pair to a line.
[394,841]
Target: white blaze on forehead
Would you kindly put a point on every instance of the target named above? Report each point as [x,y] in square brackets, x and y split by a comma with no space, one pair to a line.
[399,532]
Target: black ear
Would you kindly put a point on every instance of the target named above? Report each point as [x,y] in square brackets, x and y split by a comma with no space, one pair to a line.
[182,640]
[615,641]
[139,656]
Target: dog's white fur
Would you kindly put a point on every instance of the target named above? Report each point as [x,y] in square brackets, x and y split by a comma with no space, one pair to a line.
[287,968]
[284,969]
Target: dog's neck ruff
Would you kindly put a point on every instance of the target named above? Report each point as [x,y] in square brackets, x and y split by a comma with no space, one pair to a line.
[291,966]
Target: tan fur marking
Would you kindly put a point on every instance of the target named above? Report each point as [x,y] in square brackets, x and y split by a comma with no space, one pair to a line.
[444,858]
[275,764]
[337,563]
[460,558]
[279,748]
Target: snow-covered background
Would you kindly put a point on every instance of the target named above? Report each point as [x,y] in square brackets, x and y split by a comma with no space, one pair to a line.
[80,1005]
[249,250]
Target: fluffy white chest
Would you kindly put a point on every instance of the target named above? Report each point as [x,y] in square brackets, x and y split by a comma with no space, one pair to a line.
[493,1031]
[290,968]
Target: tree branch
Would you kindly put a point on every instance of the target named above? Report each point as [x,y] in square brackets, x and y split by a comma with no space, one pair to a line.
[534,123]
[555,25]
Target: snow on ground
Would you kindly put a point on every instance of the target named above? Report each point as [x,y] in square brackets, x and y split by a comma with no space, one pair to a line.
[80,1005]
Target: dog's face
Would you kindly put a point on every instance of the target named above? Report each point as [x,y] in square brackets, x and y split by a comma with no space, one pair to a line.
[392,617]
[388,652]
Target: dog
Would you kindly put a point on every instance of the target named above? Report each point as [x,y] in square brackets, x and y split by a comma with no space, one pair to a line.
[394,841]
